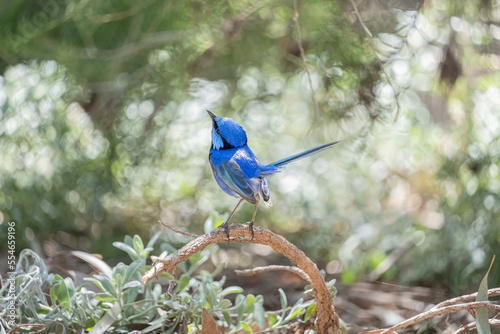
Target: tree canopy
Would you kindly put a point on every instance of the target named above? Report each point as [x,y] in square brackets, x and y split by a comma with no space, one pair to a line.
[103,129]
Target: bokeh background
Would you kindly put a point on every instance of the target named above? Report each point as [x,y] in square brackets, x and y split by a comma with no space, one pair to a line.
[103,129]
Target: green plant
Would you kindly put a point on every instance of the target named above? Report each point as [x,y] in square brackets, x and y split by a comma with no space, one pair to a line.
[58,305]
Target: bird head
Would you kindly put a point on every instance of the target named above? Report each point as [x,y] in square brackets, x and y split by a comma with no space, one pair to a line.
[226,133]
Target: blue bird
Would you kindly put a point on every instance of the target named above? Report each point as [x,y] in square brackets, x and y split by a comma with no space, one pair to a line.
[238,171]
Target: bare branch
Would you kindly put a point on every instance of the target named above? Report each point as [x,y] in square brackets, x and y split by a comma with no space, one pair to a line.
[358,15]
[491,293]
[257,270]
[472,326]
[435,312]
[370,36]
[132,48]
[303,55]
[327,320]
[187,234]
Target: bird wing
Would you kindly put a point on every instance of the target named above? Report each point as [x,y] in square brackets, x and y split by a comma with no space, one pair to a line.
[223,185]
[229,174]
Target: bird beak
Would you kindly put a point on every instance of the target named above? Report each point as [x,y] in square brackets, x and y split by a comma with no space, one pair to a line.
[211,115]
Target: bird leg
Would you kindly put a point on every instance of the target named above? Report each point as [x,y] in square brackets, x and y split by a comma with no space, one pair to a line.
[250,224]
[225,226]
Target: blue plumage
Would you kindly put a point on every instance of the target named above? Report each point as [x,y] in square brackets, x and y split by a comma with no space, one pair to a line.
[238,171]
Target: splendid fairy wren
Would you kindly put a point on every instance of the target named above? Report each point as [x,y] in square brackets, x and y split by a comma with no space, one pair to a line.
[238,171]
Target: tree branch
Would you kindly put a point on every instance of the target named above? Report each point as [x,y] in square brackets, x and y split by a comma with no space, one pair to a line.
[472,326]
[491,293]
[257,270]
[187,234]
[370,36]
[327,320]
[303,55]
[440,311]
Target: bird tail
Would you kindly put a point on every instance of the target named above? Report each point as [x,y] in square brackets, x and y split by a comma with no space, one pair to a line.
[302,155]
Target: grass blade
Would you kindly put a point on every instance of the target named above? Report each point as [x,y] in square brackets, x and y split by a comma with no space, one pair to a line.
[482,320]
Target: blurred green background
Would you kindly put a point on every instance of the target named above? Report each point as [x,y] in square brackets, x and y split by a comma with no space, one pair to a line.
[103,129]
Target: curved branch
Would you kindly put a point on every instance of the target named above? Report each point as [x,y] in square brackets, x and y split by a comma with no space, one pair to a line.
[257,270]
[440,311]
[472,326]
[327,320]
[491,293]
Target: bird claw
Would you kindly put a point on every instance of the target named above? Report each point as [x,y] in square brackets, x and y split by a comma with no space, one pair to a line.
[250,225]
[225,226]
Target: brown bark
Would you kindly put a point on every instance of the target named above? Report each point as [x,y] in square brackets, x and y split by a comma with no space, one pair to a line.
[327,320]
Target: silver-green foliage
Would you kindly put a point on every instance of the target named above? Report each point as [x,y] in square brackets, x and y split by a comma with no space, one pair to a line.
[62,306]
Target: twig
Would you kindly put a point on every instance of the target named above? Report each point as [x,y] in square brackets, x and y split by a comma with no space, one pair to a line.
[327,320]
[21,328]
[471,326]
[187,234]
[491,293]
[370,35]
[435,312]
[358,15]
[303,54]
[257,270]
[132,48]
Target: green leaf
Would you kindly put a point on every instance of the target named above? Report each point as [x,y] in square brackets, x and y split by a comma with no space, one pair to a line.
[182,283]
[128,249]
[271,319]
[246,327]
[227,318]
[284,302]
[209,295]
[132,269]
[208,226]
[296,310]
[70,287]
[218,269]
[294,313]
[144,254]
[250,303]
[240,307]
[160,323]
[105,283]
[310,312]
[201,257]
[224,304]
[331,282]
[131,294]
[118,280]
[104,297]
[150,246]
[167,276]
[230,290]
[193,260]
[131,284]
[259,315]
[128,240]
[482,319]
[59,292]
[138,244]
